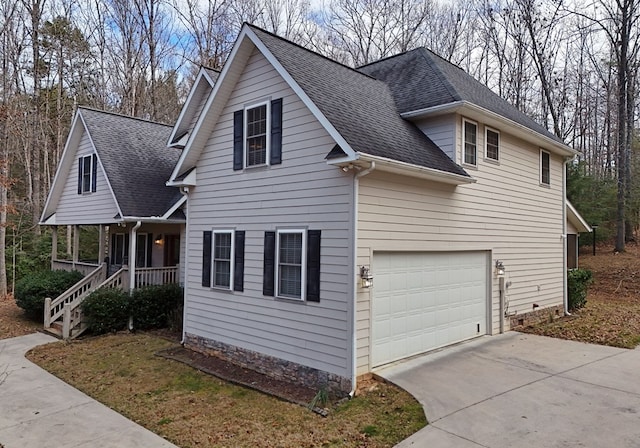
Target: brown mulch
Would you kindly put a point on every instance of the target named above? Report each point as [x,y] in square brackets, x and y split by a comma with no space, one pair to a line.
[235,374]
[13,322]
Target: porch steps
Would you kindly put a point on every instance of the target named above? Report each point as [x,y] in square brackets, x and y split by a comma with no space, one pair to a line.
[56,330]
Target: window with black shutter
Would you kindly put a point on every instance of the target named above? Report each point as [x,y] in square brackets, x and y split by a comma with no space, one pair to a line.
[257,135]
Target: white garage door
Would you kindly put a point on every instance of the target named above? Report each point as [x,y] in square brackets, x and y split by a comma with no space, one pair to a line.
[426,300]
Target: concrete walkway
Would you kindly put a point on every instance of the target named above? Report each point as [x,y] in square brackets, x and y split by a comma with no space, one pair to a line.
[37,409]
[519,390]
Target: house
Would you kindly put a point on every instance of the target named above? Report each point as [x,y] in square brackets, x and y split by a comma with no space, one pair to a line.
[112,176]
[332,220]
[342,219]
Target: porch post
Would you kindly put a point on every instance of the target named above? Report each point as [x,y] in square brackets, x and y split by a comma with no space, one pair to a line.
[76,242]
[133,239]
[100,244]
[54,245]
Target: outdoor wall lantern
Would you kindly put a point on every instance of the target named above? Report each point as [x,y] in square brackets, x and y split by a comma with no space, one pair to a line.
[500,270]
[158,239]
[366,279]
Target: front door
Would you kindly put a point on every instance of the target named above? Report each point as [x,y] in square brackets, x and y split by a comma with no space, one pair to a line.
[172,250]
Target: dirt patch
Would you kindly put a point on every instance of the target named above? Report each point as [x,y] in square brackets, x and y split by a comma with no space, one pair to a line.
[13,322]
[612,313]
[237,375]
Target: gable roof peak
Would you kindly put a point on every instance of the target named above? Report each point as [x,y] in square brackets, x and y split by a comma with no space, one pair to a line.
[116,114]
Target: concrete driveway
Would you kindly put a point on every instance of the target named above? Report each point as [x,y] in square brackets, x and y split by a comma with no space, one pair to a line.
[520,390]
[39,410]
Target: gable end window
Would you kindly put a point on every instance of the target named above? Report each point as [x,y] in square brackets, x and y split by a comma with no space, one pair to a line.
[223,259]
[545,168]
[87,174]
[257,135]
[470,138]
[292,264]
[492,139]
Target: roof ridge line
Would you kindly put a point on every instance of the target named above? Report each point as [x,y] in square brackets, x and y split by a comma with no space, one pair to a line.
[340,64]
[443,79]
[116,114]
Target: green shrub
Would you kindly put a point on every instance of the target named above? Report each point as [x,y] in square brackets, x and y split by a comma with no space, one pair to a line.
[156,306]
[31,290]
[578,281]
[106,310]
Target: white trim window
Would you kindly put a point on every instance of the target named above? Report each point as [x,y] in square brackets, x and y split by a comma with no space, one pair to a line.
[257,122]
[291,257]
[87,170]
[222,260]
[492,144]
[545,168]
[470,142]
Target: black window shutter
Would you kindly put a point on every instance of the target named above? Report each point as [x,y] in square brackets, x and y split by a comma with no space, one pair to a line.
[113,249]
[276,132]
[206,258]
[125,256]
[313,266]
[238,131]
[238,267]
[268,285]
[149,249]
[80,175]
[94,172]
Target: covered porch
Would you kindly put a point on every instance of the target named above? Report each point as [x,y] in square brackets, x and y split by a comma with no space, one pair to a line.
[126,255]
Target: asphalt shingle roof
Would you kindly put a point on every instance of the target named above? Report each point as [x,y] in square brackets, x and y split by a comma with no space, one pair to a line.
[420,79]
[361,108]
[136,159]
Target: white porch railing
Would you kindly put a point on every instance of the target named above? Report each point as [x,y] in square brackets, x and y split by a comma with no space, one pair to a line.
[156,276]
[68,265]
[54,309]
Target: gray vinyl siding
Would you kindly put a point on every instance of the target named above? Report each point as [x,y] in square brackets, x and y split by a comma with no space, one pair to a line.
[506,212]
[88,208]
[302,192]
[442,130]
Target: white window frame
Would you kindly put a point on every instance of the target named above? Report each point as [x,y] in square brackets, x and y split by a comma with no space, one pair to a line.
[230,232]
[464,142]
[90,157]
[303,264]
[542,182]
[245,134]
[487,129]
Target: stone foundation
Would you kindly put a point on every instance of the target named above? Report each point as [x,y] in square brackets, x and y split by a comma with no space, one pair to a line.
[535,317]
[335,385]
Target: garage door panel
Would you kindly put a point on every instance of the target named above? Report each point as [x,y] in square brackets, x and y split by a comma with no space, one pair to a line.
[423,301]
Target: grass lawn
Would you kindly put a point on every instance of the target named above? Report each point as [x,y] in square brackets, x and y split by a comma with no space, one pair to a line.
[612,314]
[193,409]
[13,321]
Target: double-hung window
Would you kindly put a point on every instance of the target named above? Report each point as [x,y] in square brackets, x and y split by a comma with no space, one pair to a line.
[87,170]
[223,259]
[292,264]
[470,139]
[257,137]
[492,142]
[545,168]
[291,251]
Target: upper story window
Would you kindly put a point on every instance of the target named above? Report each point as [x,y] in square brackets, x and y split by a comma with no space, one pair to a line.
[87,173]
[257,135]
[545,168]
[492,141]
[257,138]
[470,139]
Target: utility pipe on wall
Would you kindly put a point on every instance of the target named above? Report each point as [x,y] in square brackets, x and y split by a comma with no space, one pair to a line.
[501,288]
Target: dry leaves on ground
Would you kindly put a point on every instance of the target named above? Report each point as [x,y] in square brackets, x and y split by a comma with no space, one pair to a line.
[13,321]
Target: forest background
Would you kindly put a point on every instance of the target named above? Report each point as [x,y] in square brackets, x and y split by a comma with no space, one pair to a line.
[570,65]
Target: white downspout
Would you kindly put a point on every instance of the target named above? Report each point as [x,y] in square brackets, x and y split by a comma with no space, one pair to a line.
[354,360]
[185,191]
[132,256]
[565,293]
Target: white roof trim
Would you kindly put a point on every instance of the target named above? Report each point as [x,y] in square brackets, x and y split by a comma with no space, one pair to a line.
[247,33]
[201,74]
[408,169]
[520,130]
[576,219]
[175,207]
